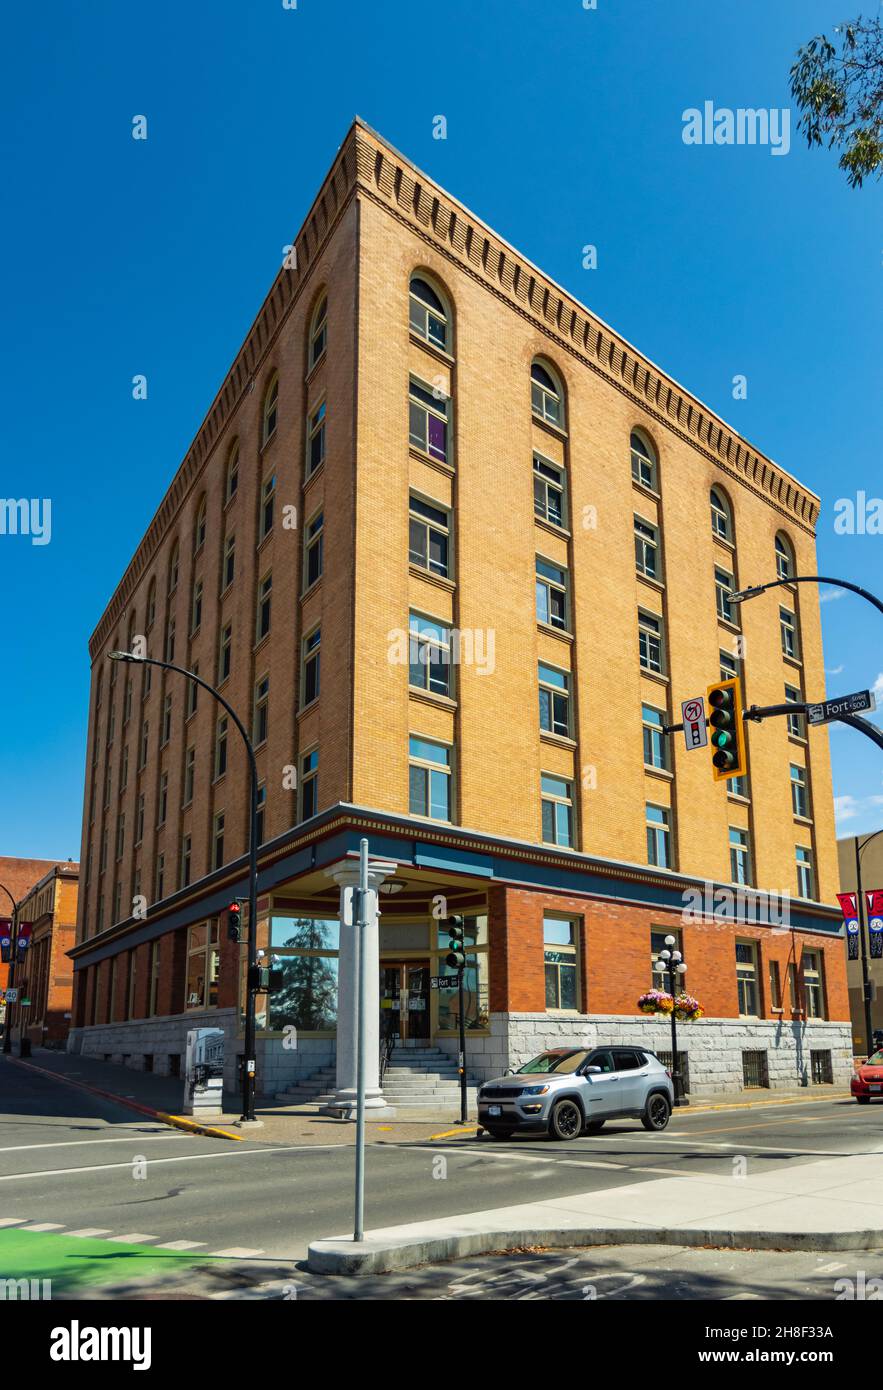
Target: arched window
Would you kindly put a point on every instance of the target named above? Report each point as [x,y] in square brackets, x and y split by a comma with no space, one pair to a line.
[232,481]
[151,605]
[200,527]
[721,520]
[271,408]
[643,462]
[546,395]
[784,558]
[318,332]
[173,569]
[427,315]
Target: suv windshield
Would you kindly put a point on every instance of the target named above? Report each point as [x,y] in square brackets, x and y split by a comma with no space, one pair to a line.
[556,1061]
[875,1060]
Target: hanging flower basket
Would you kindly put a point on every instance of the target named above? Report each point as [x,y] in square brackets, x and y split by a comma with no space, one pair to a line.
[656,1001]
[687,1008]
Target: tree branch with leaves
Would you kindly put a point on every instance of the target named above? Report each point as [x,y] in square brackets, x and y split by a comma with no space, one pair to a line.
[838,87]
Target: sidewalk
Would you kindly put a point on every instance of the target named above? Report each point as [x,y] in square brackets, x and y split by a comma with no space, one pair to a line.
[303,1124]
[832,1204]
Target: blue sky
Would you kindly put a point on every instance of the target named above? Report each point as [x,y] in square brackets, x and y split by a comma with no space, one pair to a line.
[564,128]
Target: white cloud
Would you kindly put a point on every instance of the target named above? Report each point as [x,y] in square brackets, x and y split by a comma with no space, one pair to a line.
[830,595]
[845,808]
[834,671]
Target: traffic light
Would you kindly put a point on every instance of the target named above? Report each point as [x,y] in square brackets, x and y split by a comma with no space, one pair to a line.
[456,929]
[265,979]
[234,921]
[727,736]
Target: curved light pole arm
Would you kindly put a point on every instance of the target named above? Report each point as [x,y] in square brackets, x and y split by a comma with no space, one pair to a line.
[754,589]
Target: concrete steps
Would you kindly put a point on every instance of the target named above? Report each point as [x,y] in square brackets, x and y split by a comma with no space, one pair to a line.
[423,1078]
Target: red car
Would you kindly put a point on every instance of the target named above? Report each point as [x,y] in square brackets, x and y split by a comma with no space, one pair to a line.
[868,1079]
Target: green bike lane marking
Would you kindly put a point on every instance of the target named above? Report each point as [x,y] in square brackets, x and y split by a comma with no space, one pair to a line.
[75,1263]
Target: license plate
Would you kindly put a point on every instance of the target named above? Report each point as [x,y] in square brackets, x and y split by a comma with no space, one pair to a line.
[495,1110]
[874,1086]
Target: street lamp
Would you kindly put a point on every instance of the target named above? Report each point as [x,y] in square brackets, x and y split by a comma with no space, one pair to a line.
[13,951]
[248,1069]
[670,963]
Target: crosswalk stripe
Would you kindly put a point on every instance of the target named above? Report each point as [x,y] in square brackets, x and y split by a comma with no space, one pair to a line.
[91,1231]
[12,1220]
[133,1238]
[237,1252]
[46,1226]
[181,1245]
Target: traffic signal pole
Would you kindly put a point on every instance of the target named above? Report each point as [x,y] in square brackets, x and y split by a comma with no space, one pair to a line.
[13,952]
[462,1058]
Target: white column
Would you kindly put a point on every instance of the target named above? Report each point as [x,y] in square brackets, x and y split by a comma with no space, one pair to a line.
[346,876]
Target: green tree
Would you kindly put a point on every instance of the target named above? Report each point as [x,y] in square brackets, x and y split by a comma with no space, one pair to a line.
[838,88]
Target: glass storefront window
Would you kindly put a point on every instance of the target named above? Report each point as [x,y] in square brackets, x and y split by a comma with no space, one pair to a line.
[306,948]
[475,995]
[203,964]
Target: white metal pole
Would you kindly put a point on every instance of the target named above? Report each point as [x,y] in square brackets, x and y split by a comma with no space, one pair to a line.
[361,991]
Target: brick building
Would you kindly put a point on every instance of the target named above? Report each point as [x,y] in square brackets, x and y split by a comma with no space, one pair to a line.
[455,551]
[47,899]
[16,876]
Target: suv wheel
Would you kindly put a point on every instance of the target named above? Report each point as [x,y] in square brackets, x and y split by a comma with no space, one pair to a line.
[656,1112]
[566,1120]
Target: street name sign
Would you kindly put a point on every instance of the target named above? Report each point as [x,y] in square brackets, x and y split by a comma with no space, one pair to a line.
[856,703]
[693,715]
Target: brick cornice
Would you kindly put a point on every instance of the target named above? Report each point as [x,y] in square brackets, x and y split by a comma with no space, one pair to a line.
[367,166]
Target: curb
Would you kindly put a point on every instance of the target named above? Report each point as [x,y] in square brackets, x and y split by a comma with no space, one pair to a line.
[175,1121]
[339,1256]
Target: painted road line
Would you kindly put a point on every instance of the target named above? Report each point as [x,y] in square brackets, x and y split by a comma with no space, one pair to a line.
[159,1133]
[829,1269]
[175,1158]
[182,1245]
[236,1252]
[132,1238]
[13,1220]
[45,1226]
[89,1231]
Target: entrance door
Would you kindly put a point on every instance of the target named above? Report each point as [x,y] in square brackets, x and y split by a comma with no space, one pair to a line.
[404,999]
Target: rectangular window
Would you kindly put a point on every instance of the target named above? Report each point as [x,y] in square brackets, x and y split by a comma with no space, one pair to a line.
[145,743]
[548,491]
[428,421]
[788,631]
[124,771]
[203,963]
[556,795]
[805,878]
[229,570]
[658,825]
[163,800]
[196,615]
[261,710]
[154,977]
[189,775]
[658,944]
[166,721]
[139,820]
[186,846]
[309,784]
[262,806]
[170,638]
[192,692]
[724,589]
[225,653]
[160,876]
[775,985]
[795,722]
[314,545]
[646,549]
[729,666]
[560,963]
[429,655]
[429,779]
[265,598]
[311,663]
[121,835]
[554,700]
[551,585]
[813,985]
[656,752]
[740,857]
[746,978]
[429,533]
[316,439]
[218,841]
[221,747]
[268,507]
[650,648]
[799,791]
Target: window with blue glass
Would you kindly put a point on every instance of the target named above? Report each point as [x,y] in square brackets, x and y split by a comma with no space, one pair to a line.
[557,808]
[429,778]
[554,700]
[429,655]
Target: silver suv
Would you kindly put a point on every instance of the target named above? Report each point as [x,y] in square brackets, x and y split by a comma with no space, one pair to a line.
[569,1091]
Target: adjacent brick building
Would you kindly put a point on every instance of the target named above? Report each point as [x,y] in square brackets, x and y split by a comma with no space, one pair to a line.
[456,551]
[45,976]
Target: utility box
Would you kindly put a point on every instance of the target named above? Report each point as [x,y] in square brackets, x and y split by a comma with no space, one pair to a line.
[204,1072]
